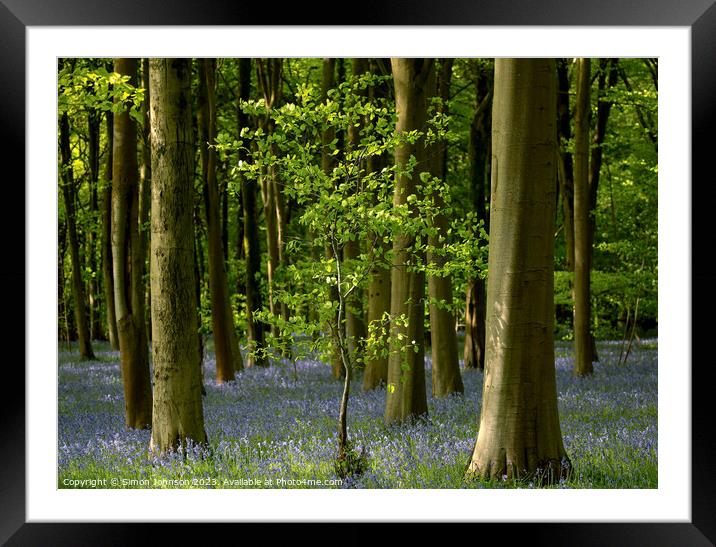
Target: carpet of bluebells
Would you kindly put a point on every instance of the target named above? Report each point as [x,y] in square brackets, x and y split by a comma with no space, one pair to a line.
[267,425]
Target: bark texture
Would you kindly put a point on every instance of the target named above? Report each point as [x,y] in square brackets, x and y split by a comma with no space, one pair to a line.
[178,413]
[128,258]
[519,433]
[405,397]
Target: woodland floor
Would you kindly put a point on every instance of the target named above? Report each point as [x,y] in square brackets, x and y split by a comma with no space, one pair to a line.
[267,425]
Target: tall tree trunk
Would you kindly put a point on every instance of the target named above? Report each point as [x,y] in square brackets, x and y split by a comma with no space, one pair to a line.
[68,194]
[406,396]
[128,257]
[178,414]
[478,154]
[145,190]
[61,298]
[251,246]
[93,127]
[565,166]
[446,377]
[519,430]
[228,356]
[355,325]
[376,366]
[608,75]
[108,277]
[269,78]
[328,82]
[583,344]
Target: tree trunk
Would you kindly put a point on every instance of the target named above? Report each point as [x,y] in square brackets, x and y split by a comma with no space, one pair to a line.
[251,246]
[474,352]
[328,82]
[478,154]
[228,356]
[178,414]
[269,77]
[128,257]
[565,167]
[583,343]
[68,194]
[406,396]
[108,277]
[355,325]
[446,377]
[519,433]
[93,126]
[145,190]
[376,366]
[61,299]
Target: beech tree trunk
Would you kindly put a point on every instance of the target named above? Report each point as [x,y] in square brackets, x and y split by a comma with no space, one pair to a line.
[108,277]
[93,291]
[583,343]
[128,257]
[478,154]
[251,246]
[328,82]
[565,165]
[228,356]
[355,324]
[178,413]
[68,195]
[519,432]
[405,397]
[269,78]
[376,366]
[145,190]
[446,377]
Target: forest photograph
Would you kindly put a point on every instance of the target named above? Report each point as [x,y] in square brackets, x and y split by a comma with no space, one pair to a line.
[357,273]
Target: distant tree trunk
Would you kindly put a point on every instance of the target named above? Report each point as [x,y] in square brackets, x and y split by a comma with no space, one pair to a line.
[519,430]
[328,82]
[68,194]
[128,256]
[474,352]
[93,127]
[355,325]
[228,356]
[446,377]
[108,277]
[376,367]
[251,246]
[178,413]
[565,166]
[478,154]
[145,190]
[583,344]
[406,396]
[61,299]
[269,78]
[608,75]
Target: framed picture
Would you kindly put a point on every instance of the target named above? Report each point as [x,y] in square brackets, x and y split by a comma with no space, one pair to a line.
[35,35]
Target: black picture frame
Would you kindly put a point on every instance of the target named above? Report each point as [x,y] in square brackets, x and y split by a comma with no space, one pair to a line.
[699,15]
